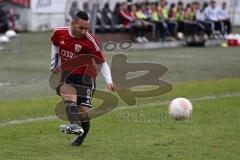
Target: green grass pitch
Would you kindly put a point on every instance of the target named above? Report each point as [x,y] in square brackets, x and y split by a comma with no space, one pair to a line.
[210,77]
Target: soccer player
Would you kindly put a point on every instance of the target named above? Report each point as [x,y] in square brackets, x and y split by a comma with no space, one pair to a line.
[163,13]
[225,18]
[80,56]
[180,17]
[130,21]
[203,26]
[212,15]
[189,17]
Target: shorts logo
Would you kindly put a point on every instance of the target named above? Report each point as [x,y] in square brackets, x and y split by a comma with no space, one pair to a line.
[78,48]
[88,101]
[89,93]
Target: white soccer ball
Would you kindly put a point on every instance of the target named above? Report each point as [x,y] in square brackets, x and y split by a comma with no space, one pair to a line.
[180,35]
[11,34]
[4,39]
[180,109]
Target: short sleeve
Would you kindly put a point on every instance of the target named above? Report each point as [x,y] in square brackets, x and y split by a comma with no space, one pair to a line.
[55,38]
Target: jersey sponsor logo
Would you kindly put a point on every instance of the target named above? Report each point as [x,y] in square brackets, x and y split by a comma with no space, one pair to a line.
[67,54]
[78,48]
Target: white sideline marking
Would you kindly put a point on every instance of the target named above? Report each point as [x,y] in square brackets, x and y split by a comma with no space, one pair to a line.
[236,94]
[30,120]
[7,84]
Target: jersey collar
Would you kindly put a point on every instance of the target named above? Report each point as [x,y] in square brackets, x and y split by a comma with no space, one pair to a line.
[70,33]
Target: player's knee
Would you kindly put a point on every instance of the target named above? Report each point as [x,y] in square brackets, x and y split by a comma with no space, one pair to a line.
[68,97]
[68,89]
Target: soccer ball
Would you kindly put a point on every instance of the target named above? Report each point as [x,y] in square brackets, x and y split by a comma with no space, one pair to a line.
[11,34]
[4,39]
[180,109]
[180,35]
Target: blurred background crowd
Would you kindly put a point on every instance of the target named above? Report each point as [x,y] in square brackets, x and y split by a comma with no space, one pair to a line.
[173,22]
[8,19]
[161,20]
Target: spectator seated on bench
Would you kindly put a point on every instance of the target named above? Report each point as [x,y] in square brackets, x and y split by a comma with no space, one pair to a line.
[129,20]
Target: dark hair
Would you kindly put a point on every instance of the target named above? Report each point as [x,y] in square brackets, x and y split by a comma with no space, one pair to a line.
[106,5]
[82,15]
[213,1]
[172,5]
[180,3]
[205,5]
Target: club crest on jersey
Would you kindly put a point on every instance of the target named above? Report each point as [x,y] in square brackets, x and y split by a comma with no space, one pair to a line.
[78,48]
[62,42]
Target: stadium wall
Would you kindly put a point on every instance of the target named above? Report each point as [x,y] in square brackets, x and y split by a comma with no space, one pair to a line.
[48,14]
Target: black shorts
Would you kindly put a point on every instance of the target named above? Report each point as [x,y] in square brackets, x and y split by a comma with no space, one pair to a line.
[84,85]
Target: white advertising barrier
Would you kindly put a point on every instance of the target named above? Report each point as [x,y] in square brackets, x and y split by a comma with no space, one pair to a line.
[48,6]
[234,9]
[46,14]
[49,14]
[45,22]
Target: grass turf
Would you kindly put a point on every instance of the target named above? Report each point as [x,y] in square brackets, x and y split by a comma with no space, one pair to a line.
[131,133]
[209,76]
[28,70]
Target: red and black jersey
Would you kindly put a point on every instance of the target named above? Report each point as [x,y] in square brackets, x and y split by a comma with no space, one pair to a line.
[78,55]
